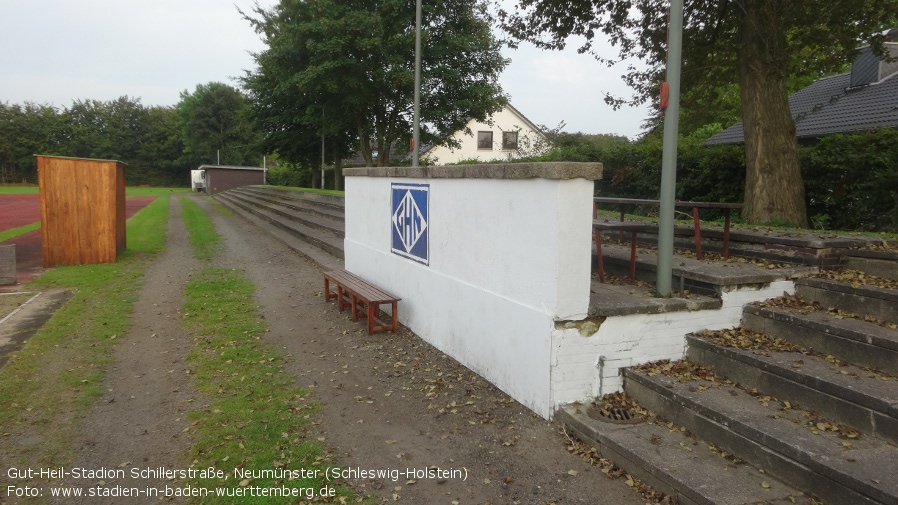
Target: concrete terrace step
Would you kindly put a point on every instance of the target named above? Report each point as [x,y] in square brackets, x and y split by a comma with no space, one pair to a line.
[856,341]
[675,464]
[794,247]
[328,207]
[324,240]
[607,299]
[847,394]
[336,202]
[883,264]
[289,213]
[765,436]
[699,276]
[877,302]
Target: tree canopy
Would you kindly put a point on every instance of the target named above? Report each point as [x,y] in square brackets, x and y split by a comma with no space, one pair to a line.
[760,47]
[147,139]
[216,126]
[345,70]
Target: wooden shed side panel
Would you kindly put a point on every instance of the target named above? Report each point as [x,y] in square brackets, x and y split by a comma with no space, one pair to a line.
[79,210]
[223,179]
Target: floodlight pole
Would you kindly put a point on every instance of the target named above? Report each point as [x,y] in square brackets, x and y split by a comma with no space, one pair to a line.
[669,151]
[416,124]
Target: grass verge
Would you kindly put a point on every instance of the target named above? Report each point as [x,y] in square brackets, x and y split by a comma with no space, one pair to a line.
[203,238]
[256,419]
[18,190]
[21,230]
[47,386]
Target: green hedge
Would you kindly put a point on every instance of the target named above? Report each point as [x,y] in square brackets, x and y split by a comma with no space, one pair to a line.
[851,181]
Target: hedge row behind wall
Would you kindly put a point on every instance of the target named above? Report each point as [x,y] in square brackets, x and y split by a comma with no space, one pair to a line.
[851,181]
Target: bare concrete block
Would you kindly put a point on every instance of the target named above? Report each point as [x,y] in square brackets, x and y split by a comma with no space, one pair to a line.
[7,264]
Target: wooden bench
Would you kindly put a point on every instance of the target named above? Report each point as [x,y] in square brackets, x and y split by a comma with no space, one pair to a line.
[363,298]
[635,227]
[695,206]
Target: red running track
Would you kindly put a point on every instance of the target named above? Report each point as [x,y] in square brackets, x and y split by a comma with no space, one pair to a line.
[19,210]
[29,257]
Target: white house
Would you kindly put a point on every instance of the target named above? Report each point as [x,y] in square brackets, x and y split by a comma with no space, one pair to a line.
[509,136]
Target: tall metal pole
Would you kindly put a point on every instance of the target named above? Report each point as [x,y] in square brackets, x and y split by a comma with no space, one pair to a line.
[669,151]
[416,125]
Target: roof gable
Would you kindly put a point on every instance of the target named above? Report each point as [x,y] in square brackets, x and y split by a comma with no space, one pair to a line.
[839,103]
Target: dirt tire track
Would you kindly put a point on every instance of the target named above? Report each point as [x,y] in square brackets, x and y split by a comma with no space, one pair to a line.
[139,421]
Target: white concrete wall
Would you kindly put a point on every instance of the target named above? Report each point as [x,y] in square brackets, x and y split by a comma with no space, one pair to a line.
[635,339]
[506,120]
[508,258]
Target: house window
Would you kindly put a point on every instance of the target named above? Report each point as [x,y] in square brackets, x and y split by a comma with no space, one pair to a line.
[485,140]
[509,140]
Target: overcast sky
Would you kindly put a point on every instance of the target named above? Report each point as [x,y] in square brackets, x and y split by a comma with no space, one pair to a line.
[57,51]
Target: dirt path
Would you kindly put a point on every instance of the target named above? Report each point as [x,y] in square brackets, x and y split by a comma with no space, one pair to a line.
[394,402]
[139,420]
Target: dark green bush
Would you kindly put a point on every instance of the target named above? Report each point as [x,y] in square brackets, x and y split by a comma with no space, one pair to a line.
[851,181]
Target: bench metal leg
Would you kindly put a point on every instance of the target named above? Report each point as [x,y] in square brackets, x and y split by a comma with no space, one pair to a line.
[633,258]
[598,234]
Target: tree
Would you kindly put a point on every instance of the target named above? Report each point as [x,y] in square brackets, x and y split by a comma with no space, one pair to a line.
[216,125]
[759,44]
[105,130]
[345,70]
[26,130]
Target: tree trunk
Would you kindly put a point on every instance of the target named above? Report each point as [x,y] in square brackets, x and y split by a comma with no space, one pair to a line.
[316,177]
[365,146]
[338,173]
[774,190]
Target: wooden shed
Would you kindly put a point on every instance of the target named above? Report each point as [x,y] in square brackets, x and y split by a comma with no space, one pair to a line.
[82,210]
[220,178]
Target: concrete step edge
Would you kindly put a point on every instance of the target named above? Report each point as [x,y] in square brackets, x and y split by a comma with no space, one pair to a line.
[330,200]
[851,329]
[333,226]
[331,245]
[298,204]
[855,406]
[323,259]
[799,460]
[708,479]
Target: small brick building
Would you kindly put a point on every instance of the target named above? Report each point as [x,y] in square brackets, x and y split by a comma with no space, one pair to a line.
[220,178]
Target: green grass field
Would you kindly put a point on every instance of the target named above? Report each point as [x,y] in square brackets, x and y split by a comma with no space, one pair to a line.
[18,190]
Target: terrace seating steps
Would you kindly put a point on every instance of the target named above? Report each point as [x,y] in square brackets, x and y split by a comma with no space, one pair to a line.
[774,409]
[311,224]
